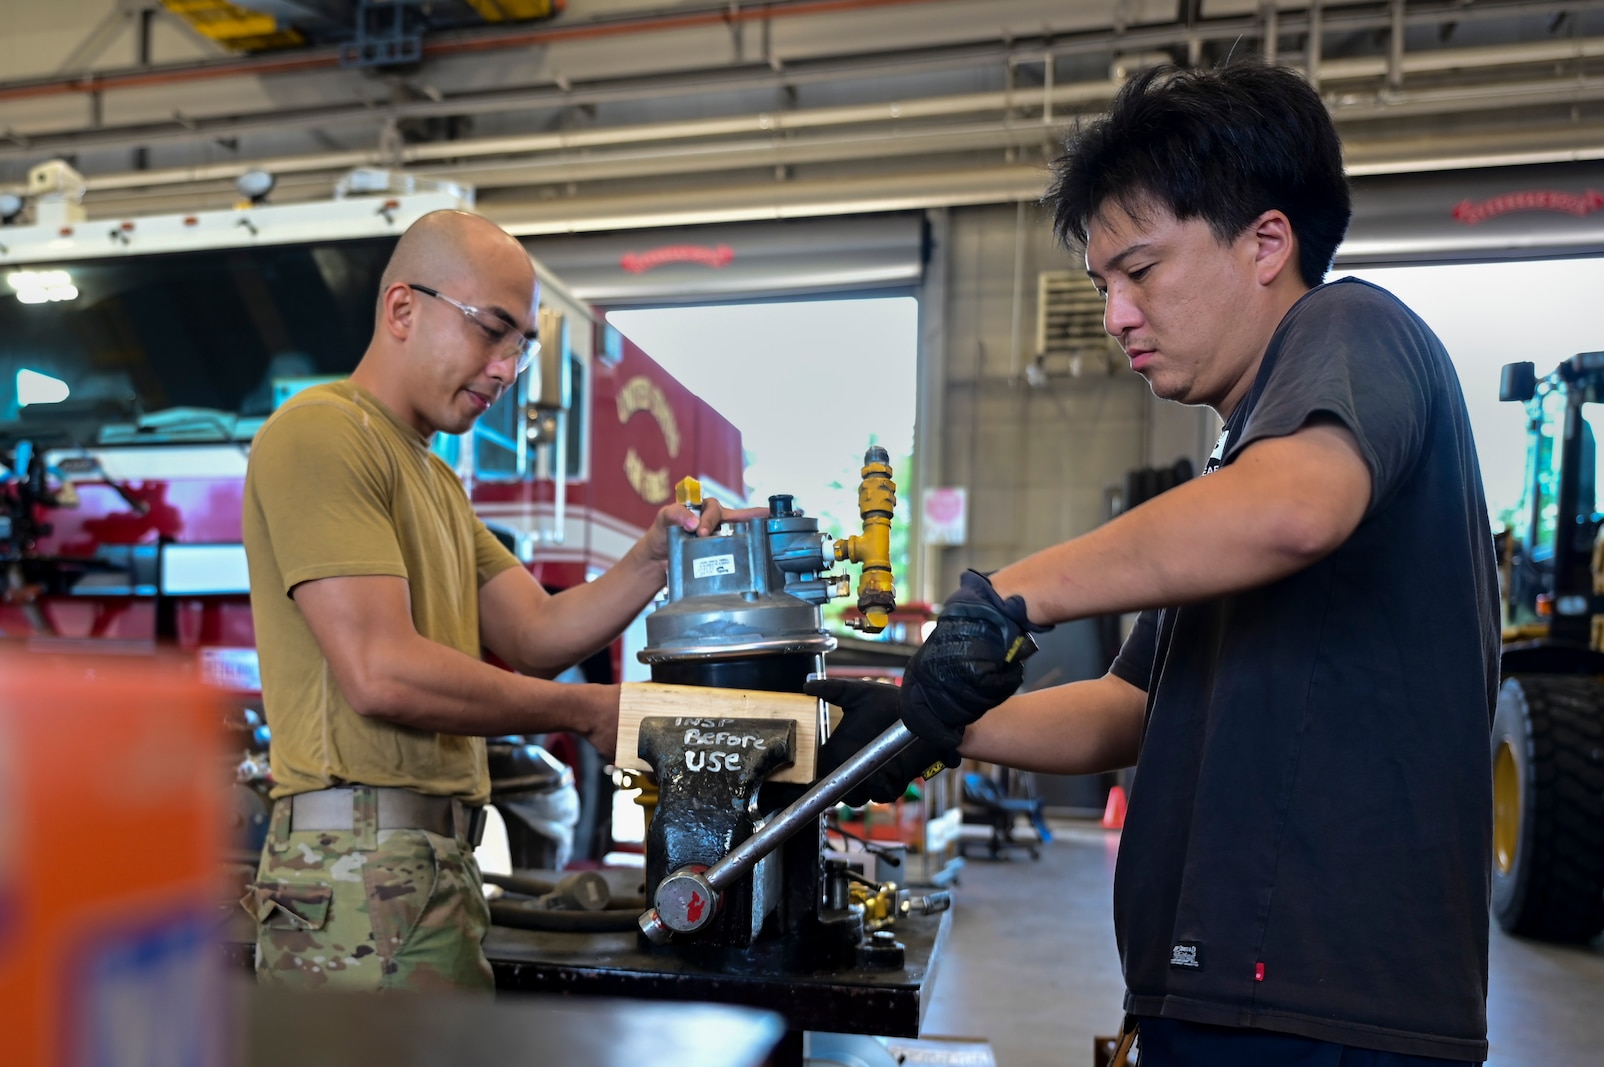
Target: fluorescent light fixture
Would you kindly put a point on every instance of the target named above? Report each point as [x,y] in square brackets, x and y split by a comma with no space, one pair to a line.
[42,286]
[36,388]
[37,279]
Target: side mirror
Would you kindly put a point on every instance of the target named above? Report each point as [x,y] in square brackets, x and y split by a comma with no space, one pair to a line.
[1519,382]
[550,383]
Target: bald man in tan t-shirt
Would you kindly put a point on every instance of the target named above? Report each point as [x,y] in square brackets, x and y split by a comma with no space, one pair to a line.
[373,588]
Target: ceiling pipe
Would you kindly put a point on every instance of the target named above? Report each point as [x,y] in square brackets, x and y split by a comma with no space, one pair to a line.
[1346,107]
[691,81]
[443,45]
[769,200]
[770,122]
[1337,20]
[910,189]
[718,79]
[765,124]
[1350,107]
[623,163]
[697,82]
[1447,59]
[744,155]
[951,187]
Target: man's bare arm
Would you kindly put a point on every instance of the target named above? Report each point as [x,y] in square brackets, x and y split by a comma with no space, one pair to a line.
[387,670]
[1284,504]
[1079,728]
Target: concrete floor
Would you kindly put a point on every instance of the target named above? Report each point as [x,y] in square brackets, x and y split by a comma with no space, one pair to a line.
[1031,967]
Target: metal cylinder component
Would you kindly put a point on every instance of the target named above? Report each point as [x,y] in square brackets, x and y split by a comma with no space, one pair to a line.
[753,591]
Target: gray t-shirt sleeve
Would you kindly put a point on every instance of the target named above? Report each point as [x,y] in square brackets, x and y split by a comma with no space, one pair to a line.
[1134,664]
[1353,352]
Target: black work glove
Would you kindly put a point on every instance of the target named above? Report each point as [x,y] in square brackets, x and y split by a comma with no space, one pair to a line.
[972,661]
[869,709]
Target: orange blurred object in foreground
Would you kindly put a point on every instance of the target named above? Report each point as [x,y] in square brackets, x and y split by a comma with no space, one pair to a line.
[110,784]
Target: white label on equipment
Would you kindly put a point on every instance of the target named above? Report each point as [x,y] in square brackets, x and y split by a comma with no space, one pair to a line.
[708,566]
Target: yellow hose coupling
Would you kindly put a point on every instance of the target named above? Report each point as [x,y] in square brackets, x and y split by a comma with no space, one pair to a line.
[877,505]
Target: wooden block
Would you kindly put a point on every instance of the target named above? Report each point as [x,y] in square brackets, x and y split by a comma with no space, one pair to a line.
[640,699]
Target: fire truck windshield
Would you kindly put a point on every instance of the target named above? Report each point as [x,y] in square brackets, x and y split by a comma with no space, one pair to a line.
[205,343]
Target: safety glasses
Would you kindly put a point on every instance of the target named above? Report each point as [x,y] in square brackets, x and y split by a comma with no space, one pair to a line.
[503,337]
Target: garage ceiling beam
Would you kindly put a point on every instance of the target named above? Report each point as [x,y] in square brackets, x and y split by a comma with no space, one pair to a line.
[1386,117]
[791,138]
[1348,18]
[301,61]
[710,82]
[773,200]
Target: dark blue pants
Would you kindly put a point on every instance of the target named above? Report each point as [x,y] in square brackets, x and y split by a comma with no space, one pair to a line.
[1170,1043]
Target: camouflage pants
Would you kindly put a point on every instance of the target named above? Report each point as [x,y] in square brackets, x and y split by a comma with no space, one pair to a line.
[368,909]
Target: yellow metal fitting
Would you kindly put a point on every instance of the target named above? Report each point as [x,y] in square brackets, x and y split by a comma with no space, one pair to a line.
[877,505]
[689,493]
[878,904]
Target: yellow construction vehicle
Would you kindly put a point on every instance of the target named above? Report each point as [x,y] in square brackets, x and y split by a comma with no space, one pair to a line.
[1548,730]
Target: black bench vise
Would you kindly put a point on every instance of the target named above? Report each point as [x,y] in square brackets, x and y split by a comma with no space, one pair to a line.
[709,772]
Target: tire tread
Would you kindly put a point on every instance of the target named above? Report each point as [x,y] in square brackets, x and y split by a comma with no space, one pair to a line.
[1562,898]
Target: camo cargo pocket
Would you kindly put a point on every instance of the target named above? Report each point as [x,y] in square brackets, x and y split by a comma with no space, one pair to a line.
[288,906]
[429,914]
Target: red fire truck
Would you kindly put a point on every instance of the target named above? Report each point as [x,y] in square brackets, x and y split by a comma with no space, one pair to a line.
[138,356]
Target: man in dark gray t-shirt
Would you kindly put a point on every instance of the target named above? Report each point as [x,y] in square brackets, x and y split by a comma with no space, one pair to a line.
[1317,747]
[1308,691]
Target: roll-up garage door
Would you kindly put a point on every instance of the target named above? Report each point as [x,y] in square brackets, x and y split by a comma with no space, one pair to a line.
[739,261]
[1466,215]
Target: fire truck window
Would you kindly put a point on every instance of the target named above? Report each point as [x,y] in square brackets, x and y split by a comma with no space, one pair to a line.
[35,388]
[495,439]
[496,434]
[219,330]
[578,416]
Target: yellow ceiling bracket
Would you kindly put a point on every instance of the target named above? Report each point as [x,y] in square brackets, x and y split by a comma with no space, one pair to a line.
[515,10]
[235,27]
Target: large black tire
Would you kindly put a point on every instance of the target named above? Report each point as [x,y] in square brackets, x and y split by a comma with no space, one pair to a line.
[1548,798]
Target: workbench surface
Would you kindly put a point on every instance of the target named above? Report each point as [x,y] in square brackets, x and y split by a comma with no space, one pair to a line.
[339,1030]
[859,1001]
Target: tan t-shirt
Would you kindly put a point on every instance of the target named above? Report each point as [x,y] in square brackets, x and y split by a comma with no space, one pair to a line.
[337,485]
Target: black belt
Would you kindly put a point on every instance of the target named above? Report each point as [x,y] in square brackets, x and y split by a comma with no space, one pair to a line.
[399,809]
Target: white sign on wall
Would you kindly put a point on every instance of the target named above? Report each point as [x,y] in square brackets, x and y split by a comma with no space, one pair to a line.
[946,515]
